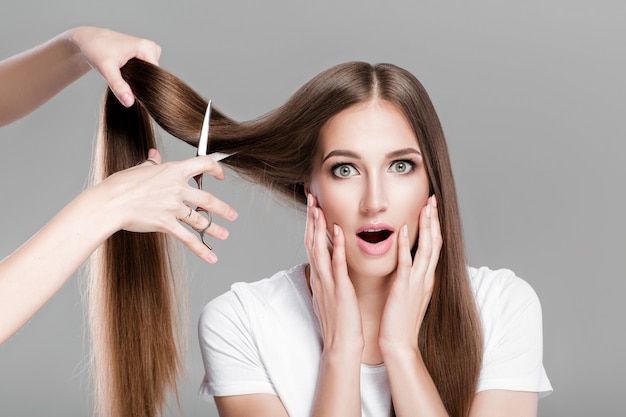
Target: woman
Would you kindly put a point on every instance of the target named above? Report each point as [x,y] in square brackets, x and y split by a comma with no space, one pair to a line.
[386,316]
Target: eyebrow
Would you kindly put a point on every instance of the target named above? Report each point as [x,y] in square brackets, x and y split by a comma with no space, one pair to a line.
[390,155]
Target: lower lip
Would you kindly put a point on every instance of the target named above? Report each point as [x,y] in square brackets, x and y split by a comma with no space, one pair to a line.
[375,249]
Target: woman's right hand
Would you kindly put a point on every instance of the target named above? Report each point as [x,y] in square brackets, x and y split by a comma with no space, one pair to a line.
[334,299]
[157,197]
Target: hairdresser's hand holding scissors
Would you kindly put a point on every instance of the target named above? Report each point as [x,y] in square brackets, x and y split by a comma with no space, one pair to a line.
[151,197]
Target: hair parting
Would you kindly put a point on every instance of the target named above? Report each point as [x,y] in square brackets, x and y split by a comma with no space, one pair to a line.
[132,286]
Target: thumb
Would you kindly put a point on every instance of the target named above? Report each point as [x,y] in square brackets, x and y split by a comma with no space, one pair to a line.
[120,88]
[155,155]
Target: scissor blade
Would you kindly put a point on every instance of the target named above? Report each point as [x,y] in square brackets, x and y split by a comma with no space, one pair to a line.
[218,156]
[203,143]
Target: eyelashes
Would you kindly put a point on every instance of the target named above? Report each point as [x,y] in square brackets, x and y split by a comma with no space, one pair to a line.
[343,170]
[347,169]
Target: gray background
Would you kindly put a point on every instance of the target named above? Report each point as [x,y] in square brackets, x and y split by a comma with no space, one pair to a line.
[531,96]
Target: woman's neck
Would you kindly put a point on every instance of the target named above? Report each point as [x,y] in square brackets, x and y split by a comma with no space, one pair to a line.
[371,293]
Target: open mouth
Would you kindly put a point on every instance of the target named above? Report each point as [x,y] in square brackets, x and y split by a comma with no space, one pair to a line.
[374,236]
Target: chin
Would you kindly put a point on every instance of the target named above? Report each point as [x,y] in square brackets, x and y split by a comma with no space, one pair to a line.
[375,268]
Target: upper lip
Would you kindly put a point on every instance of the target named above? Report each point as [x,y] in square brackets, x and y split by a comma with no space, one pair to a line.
[374,227]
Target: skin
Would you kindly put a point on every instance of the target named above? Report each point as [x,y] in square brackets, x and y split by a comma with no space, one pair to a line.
[370,307]
[29,79]
[146,198]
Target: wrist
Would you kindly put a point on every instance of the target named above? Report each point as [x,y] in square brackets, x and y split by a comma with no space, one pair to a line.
[352,347]
[74,38]
[400,351]
[104,208]
[341,358]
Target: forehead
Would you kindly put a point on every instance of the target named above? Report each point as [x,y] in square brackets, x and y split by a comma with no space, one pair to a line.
[374,126]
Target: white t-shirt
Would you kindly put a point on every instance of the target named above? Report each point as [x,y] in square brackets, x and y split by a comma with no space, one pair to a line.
[263,337]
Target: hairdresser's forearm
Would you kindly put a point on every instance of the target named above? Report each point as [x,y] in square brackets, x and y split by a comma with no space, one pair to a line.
[37,270]
[338,386]
[412,389]
[31,78]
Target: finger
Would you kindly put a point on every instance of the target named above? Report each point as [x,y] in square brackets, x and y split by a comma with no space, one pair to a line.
[339,264]
[154,158]
[424,243]
[210,203]
[404,254]
[119,87]
[309,226]
[203,165]
[199,220]
[308,244]
[436,237]
[321,255]
[155,155]
[191,240]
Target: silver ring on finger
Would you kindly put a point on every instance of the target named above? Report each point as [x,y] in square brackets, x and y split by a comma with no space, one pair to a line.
[188,214]
[201,231]
[208,216]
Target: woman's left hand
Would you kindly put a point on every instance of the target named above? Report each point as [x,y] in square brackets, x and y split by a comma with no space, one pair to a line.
[412,288]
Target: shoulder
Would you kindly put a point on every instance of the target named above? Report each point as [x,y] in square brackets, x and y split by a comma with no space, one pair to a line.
[501,289]
[512,332]
[247,300]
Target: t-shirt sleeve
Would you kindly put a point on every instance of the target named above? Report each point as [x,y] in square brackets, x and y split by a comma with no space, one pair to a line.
[231,359]
[512,327]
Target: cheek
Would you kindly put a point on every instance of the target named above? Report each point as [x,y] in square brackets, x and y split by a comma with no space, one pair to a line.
[414,206]
[334,207]
[329,199]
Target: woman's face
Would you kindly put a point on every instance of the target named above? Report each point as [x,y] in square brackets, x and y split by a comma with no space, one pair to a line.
[370,179]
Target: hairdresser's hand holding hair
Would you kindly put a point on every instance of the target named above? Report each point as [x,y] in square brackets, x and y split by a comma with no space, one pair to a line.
[29,79]
[107,51]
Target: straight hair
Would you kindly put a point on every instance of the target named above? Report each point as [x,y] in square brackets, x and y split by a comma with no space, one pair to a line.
[135,346]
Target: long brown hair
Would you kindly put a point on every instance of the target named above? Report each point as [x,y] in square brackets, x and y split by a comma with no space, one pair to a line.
[275,151]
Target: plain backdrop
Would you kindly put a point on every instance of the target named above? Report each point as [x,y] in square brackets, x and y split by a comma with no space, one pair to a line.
[531,97]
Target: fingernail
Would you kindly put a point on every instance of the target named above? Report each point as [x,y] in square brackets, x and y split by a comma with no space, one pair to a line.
[434,201]
[405,231]
[127,99]
[232,214]
[151,153]
[428,210]
[309,200]
[315,213]
[224,233]
[336,230]
[212,257]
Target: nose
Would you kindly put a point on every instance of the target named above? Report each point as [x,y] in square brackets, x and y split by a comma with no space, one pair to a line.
[374,198]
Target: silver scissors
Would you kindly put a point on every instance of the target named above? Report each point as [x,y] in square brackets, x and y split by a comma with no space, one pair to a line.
[203,145]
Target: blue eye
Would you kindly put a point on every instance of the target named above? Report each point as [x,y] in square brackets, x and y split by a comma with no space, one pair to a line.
[344,170]
[402,167]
